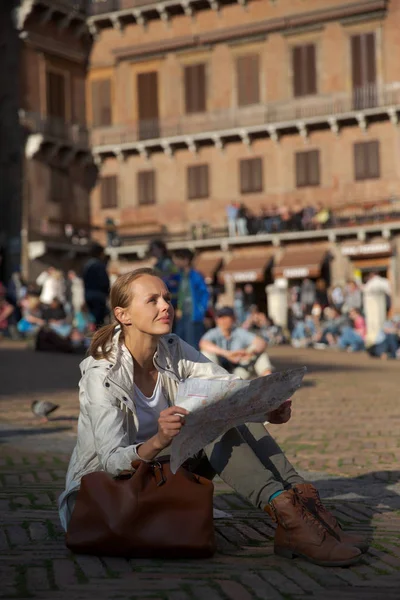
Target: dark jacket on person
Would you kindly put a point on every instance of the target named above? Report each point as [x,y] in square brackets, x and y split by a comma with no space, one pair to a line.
[95,277]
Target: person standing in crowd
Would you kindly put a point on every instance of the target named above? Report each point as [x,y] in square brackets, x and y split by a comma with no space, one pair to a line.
[234,348]
[241,220]
[321,294]
[97,284]
[377,283]
[52,284]
[193,297]
[307,295]
[75,292]
[165,268]
[231,215]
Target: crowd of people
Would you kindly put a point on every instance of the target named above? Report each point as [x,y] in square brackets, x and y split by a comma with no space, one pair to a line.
[335,317]
[60,311]
[276,219]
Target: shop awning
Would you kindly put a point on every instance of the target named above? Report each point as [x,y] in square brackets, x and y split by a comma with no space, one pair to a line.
[301,261]
[208,263]
[248,264]
[376,247]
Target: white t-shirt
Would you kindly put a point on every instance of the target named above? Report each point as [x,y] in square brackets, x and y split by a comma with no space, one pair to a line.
[148,410]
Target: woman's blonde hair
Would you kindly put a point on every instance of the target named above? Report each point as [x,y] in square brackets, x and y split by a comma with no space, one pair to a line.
[120,295]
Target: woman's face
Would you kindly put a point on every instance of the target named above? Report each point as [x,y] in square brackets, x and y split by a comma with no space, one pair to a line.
[150,310]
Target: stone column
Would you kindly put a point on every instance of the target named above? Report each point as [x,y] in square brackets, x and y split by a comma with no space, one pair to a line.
[375,313]
[277,302]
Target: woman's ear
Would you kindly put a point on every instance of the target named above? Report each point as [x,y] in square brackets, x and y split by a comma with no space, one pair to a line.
[122,316]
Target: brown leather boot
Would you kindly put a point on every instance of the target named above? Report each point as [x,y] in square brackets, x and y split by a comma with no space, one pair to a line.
[299,533]
[309,496]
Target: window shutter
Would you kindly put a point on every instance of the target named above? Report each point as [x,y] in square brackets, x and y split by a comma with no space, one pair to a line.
[55,90]
[147,96]
[310,69]
[197,182]
[105,102]
[301,175]
[245,176]
[370,57]
[251,177]
[146,187]
[101,102]
[313,167]
[257,176]
[356,61]
[195,88]
[248,79]
[297,71]
[373,159]
[108,192]
[304,70]
[359,162]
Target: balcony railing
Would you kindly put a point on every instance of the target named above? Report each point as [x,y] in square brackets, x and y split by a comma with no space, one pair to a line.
[276,115]
[99,7]
[55,129]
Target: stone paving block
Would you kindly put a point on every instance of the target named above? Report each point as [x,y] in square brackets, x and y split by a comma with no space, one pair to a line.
[304,581]
[43,500]
[235,591]
[259,587]
[4,546]
[205,592]
[280,582]
[17,535]
[38,531]
[117,565]
[37,579]
[64,573]
[91,566]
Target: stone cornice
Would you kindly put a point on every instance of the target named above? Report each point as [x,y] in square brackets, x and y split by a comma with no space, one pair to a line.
[51,46]
[268,26]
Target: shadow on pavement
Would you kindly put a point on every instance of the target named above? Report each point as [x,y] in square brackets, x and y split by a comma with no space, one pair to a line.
[10,433]
[26,371]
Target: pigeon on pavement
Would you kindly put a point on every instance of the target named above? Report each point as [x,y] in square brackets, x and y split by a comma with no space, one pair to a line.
[41,408]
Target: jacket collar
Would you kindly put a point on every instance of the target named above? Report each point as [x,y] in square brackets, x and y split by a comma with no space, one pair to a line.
[120,363]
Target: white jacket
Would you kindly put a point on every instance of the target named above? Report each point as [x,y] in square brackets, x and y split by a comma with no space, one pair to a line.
[108,423]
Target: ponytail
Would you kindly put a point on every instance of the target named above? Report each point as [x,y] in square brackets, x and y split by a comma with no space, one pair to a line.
[101,343]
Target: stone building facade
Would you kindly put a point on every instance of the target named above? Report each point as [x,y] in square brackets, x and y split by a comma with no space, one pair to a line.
[48,126]
[194,105]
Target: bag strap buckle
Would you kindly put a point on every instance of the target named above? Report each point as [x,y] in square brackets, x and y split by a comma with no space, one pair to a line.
[158,473]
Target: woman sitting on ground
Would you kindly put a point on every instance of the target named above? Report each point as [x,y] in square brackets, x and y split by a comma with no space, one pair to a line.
[127,413]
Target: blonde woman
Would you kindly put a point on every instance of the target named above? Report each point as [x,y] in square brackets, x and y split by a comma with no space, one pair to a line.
[127,413]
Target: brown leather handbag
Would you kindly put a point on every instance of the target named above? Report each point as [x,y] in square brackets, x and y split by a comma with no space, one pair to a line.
[150,513]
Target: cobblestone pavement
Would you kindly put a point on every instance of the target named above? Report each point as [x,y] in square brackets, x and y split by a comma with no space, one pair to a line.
[343,434]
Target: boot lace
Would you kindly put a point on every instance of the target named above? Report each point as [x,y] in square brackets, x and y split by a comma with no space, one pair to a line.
[307,516]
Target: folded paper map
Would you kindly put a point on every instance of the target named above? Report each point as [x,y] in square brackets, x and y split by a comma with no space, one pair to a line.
[216,406]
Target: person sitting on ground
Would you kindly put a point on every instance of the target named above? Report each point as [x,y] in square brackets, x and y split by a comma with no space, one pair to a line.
[32,317]
[352,336]
[127,400]
[303,332]
[6,310]
[387,343]
[234,348]
[258,323]
[331,328]
[56,318]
